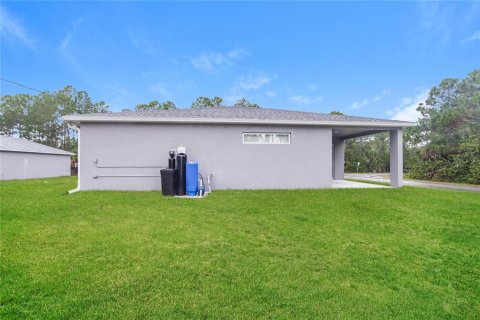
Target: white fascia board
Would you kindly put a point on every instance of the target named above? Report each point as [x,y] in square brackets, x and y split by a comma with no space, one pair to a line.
[41,152]
[386,124]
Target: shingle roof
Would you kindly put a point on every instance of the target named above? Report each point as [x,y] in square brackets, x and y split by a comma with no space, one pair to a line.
[230,115]
[22,145]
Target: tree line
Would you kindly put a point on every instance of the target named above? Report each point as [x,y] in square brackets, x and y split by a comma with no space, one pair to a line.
[200,102]
[39,117]
[444,146]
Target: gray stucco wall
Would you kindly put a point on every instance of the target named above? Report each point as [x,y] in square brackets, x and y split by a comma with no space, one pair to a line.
[305,163]
[24,165]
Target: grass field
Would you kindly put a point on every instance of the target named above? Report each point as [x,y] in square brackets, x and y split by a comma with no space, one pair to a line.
[376,253]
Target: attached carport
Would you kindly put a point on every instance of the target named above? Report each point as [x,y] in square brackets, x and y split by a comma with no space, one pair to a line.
[341,134]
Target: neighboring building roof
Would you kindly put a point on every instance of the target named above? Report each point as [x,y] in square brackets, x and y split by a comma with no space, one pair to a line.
[236,115]
[21,145]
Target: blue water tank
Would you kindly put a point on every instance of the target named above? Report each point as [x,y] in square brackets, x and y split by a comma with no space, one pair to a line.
[192,178]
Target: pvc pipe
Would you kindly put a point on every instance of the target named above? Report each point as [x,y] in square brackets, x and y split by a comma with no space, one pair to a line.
[73,191]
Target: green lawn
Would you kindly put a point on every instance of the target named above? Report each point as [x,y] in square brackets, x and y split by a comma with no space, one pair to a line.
[377,253]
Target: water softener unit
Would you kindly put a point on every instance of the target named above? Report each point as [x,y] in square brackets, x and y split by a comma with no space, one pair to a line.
[169,177]
[171,160]
[181,170]
[192,178]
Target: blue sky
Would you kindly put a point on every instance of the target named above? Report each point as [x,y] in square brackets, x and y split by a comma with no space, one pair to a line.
[362,58]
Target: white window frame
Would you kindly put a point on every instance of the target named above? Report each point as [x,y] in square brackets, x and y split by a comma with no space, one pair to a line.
[288,134]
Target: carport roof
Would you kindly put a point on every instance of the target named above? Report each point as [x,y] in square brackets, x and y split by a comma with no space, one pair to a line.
[21,145]
[237,115]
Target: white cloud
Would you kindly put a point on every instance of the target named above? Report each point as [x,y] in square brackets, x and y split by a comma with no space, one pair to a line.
[208,62]
[65,41]
[159,89]
[253,82]
[13,29]
[305,100]
[271,94]
[474,37]
[406,100]
[70,56]
[212,61]
[237,53]
[246,84]
[68,37]
[360,104]
[435,21]
[141,43]
[407,111]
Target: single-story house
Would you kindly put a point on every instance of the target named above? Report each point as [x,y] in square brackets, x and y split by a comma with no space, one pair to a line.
[243,148]
[23,159]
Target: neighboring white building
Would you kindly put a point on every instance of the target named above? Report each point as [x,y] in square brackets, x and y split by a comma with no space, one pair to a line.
[23,159]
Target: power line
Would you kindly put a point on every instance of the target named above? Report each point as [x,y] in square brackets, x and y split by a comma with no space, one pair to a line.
[30,88]
[21,85]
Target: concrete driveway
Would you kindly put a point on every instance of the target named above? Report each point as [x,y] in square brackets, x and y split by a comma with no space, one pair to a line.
[344,184]
[413,183]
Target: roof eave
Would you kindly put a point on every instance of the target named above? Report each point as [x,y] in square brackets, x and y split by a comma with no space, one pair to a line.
[383,124]
[37,152]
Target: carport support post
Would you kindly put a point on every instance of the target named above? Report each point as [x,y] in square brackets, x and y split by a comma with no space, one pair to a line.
[396,158]
[339,156]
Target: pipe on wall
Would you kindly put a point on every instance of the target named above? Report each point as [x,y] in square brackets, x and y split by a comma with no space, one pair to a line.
[114,167]
[126,176]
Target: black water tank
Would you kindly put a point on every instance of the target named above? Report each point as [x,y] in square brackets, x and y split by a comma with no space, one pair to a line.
[171,160]
[169,178]
[181,171]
